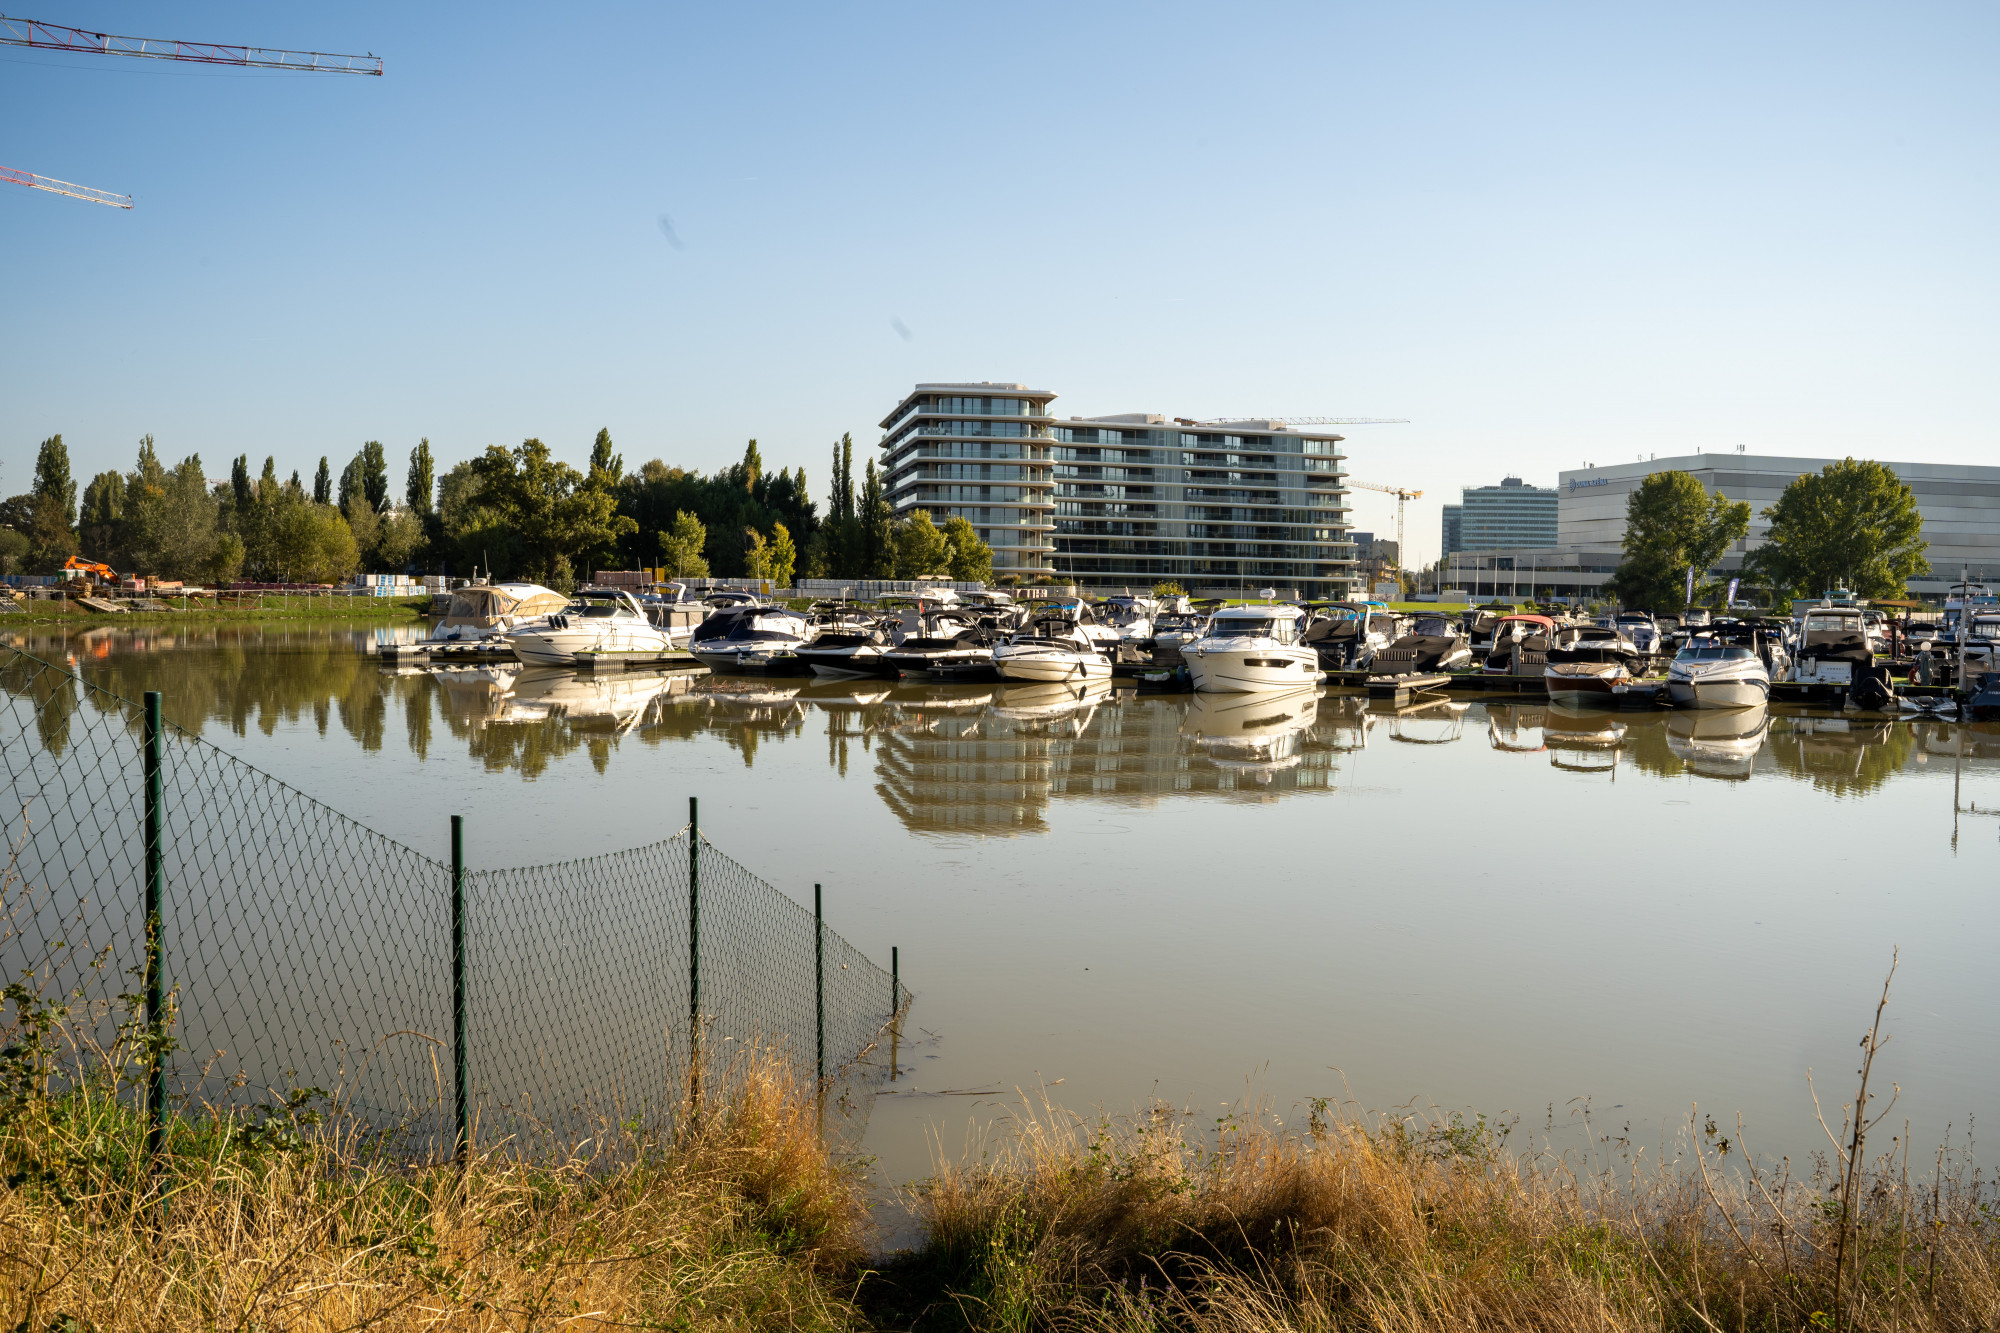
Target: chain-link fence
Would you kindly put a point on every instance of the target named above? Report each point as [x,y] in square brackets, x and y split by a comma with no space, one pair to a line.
[298,950]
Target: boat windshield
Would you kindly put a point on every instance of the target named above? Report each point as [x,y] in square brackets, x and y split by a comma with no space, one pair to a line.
[1432,626]
[1237,627]
[1714,653]
[593,607]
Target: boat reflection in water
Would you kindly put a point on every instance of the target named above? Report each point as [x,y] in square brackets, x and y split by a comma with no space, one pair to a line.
[1516,728]
[1426,722]
[1256,735]
[615,702]
[1582,740]
[1718,742]
[1073,705]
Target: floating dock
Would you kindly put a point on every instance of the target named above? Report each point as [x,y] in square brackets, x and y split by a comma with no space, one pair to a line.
[638,661]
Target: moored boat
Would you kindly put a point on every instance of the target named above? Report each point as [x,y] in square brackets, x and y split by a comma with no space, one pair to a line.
[1718,675]
[1251,648]
[596,620]
[1585,684]
[1052,647]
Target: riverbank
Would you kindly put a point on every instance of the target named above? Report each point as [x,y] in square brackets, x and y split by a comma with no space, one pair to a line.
[1331,1222]
[203,611]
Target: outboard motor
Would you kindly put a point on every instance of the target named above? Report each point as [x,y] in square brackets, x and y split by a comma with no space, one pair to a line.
[1871,689]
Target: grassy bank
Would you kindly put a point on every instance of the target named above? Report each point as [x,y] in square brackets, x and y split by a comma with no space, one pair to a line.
[747,1223]
[207,611]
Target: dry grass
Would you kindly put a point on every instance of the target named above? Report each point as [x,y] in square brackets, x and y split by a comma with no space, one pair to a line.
[1424,1224]
[746,1223]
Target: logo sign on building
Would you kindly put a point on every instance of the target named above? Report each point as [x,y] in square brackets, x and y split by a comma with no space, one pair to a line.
[1576,485]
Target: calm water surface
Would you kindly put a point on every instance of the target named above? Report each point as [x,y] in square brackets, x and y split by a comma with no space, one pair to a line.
[1499,907]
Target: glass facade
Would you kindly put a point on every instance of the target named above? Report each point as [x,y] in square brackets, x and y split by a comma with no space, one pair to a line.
[1454,539]
[930,443]
[1125,502]
[1510,516]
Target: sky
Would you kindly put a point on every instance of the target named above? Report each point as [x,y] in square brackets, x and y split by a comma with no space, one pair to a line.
[1545,234]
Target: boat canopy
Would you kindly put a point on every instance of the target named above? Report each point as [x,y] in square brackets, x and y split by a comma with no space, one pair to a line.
[491,605]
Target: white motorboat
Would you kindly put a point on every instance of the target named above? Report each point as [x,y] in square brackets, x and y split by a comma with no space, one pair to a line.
[670,608]
[1251,648]
[1585,684]
[1132,617]
[753,636]
[597,620]
[1641,629]
[1053,647]
[483,612]
[1718,675]
[1833,642]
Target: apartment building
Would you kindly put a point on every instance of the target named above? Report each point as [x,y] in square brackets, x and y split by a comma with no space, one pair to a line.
[1128,500]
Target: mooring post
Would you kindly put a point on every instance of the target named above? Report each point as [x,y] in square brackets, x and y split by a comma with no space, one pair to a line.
[819,978]
[156,880]
[694,954]
[462,1119]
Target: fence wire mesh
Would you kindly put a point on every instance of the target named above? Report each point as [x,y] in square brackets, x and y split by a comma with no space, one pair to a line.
[306,951]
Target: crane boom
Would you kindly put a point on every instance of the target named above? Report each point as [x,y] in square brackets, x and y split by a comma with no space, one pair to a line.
[1313,421]
[1402,494]
[55,37]
[83,192]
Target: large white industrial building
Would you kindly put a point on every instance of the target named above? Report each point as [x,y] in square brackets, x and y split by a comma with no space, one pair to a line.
[1960,505]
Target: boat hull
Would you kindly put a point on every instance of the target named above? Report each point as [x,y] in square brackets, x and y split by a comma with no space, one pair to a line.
[1051,668]
[560,647]
[750,661]
[1741,693]
[1248,670]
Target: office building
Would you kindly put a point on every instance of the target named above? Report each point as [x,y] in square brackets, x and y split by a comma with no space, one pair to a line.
[1510,516]
[1128,500]
[1960,505]
[1454,517]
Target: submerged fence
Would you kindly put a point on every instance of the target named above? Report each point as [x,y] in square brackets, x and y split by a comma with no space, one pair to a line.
[155,885]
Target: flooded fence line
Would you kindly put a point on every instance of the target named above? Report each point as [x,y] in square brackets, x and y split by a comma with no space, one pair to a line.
[214,938]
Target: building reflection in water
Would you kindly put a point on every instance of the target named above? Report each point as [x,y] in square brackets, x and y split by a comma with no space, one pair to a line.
[991,760]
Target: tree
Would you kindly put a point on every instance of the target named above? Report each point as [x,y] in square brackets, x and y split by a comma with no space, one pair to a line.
[783,556]
[174,522]
[681,547]
[555,514]
[100,524]
[1672,525]
[753,467]
[374,475]
[604,463]
[399,541]
[971,558]
[875,558]
[1852,524]
[756,555]
[920,549]
[418,488]
[322,484]
[52,480]
[239,482]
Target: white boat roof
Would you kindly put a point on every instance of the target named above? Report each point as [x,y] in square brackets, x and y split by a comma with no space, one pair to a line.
[1275,609]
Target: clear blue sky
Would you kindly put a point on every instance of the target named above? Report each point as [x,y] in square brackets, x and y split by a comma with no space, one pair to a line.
[1545,233]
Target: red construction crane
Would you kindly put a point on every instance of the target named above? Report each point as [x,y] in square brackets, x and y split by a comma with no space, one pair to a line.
[55,37]
[84,192]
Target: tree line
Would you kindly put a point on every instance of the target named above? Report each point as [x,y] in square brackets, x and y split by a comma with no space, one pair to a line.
[1853,524]
[517,513]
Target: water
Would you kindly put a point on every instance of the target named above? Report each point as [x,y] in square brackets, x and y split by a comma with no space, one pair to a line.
[1503,908]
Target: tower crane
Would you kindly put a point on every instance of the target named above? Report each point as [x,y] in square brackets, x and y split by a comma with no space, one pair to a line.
[55,37]
[74,191]
[1401,495]
[41,36]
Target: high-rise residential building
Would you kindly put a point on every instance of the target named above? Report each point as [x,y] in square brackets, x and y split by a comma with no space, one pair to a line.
[1510,516]
[1128,500]
[980,452]
[1454,519]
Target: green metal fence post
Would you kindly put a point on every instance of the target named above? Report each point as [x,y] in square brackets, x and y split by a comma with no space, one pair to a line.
[819,978]
[156,877]
[895,981]
[694,953]
[462,1120]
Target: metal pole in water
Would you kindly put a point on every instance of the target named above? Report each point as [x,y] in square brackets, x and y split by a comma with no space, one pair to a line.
[694,953]
[156,876]
[819,979]
[462,1120]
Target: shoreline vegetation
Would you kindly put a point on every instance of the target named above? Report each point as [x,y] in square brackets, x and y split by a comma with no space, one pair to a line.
[276,1218]
[270,607]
